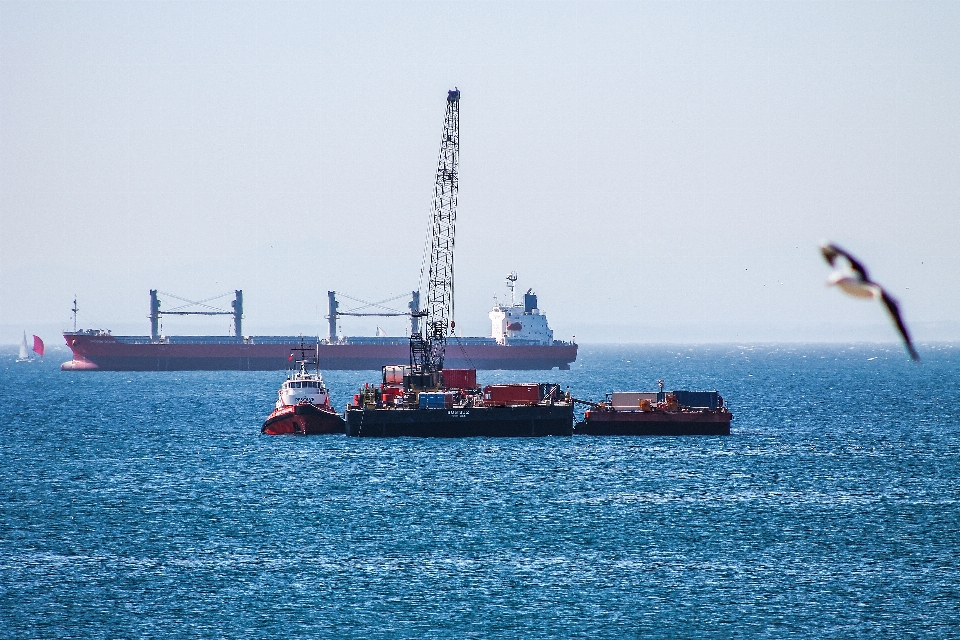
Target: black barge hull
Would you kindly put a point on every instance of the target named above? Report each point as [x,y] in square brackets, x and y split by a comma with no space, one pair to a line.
[488,422]
[637,423]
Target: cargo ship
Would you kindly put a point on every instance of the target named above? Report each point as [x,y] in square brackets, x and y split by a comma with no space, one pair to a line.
[457,408]
[657,413]
[520,339]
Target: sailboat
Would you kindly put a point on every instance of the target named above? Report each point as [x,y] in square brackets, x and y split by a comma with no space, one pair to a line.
[24,355]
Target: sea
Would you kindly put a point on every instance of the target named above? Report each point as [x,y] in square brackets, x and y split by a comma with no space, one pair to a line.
[148,505]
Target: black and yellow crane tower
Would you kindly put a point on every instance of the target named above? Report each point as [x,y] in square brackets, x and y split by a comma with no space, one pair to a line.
[428,341]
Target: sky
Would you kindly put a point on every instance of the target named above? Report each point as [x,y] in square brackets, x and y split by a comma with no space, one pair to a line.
[656,172]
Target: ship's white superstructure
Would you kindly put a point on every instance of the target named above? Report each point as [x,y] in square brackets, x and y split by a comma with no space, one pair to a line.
[520,324]
[303,386]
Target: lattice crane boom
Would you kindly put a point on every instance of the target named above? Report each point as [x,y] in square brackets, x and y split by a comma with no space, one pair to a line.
[427,348]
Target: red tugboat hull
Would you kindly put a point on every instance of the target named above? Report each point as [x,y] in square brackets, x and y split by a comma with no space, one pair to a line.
[303,419]
[655,423]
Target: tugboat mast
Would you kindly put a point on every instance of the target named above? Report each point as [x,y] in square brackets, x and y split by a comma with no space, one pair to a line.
[427,347]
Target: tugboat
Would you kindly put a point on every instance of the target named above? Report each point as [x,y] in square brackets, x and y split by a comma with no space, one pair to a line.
[657,413]
[303,404]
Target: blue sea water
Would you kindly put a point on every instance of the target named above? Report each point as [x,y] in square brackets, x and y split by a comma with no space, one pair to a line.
[148,505]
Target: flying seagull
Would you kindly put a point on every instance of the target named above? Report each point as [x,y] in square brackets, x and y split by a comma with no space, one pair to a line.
[852,279]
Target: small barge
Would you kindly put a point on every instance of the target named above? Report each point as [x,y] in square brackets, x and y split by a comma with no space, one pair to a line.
[657,413]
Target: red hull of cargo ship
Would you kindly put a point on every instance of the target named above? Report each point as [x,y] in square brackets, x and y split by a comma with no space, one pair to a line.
[303,419]
[655,423]
[92,351]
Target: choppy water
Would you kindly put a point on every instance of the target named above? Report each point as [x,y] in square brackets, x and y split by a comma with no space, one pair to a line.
[148,505]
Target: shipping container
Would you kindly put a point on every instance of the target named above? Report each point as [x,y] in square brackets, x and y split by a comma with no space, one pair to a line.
[436,400]
[698,399]
[502,395]
[460,378]
[389,394]
[631,399]
[393,373]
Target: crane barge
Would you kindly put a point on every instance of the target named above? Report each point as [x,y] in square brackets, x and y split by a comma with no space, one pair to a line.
[425,399]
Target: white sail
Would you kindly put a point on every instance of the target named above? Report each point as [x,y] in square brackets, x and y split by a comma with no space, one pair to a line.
[24,352]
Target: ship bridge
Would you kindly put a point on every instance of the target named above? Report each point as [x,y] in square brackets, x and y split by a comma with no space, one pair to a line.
[520,324]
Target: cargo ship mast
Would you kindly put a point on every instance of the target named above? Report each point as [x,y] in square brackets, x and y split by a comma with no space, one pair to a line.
[427,346]
[156,313]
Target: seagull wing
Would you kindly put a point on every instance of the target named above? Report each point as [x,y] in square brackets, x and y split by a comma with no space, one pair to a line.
[831,251]
[894,310]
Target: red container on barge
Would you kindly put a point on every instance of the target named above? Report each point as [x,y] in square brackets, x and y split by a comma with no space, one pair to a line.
[511,395]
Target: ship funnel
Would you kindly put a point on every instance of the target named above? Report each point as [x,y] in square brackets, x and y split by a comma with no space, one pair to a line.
[529,301]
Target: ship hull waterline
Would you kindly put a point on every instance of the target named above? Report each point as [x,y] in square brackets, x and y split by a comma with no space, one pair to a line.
[489,422]
[108,354]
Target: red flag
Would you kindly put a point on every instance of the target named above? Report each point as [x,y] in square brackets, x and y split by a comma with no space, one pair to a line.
[38,345]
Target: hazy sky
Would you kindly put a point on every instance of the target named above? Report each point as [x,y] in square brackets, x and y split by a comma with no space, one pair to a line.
[655,171]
